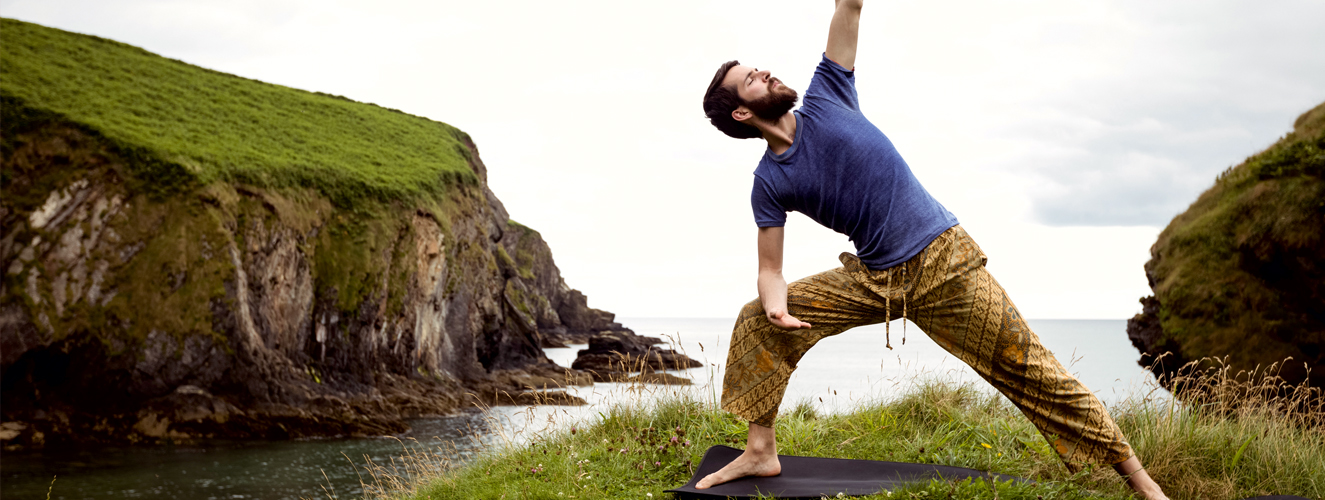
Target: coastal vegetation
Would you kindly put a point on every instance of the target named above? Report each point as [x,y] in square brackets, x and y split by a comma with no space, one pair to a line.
[194,126]
[1218,447]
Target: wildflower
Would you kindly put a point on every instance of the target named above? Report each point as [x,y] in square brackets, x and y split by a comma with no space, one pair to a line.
[656,464]
[650,495]
[572,429]
[674,439]
[986,445]
[687,443]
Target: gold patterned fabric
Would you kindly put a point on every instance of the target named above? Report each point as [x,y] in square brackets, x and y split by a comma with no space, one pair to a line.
[946,291]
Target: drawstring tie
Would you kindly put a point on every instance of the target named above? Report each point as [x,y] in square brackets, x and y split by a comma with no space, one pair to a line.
[888,309]
[887,313]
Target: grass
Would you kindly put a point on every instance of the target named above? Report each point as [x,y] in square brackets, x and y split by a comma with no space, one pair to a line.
[220,127]
[1241,438]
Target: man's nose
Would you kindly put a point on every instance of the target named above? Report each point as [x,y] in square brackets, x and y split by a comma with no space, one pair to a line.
[763,75]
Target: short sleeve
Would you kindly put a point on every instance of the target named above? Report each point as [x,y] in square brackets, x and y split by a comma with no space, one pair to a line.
[768,212]
[834,83]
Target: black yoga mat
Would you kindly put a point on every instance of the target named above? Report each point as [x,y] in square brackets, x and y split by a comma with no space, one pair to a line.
[814,477]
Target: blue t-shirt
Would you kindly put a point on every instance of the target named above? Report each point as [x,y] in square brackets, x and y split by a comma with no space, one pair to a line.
[844,173]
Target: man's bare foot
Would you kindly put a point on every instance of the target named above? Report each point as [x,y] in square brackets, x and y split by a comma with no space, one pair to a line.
[1139,480]
[748,464]
[1141,483]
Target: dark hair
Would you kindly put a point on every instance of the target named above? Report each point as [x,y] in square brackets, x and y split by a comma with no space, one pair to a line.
[720,101]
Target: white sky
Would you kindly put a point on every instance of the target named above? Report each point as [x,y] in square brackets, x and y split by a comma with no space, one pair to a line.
[1063,135]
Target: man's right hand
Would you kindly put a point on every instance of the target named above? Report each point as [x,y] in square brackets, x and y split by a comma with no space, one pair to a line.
[786,321]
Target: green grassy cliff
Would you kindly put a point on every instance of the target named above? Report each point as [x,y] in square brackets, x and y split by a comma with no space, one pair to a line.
[187,253]
[176,129]
[1241,273]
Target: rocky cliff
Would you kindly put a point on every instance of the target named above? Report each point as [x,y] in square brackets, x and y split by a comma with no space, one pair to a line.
[164,290]
[1241,273]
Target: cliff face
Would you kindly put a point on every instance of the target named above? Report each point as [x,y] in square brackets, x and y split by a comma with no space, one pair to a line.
[1241,273]
[144,302]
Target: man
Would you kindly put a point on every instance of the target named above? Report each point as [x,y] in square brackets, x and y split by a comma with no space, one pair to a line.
[913,260]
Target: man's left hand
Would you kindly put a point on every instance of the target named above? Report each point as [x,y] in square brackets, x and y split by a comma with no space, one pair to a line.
[786,321]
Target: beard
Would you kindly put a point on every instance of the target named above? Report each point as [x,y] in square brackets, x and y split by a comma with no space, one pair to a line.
[776,103]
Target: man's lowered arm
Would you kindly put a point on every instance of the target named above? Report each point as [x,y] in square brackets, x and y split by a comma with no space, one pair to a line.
[842,33]
[772,286]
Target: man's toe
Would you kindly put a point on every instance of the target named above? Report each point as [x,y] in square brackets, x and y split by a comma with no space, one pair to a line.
[703,484]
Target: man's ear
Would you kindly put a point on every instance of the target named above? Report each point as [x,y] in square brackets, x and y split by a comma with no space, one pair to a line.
[741,114]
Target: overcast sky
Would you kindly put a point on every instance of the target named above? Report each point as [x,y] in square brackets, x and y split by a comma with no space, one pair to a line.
[1063,135]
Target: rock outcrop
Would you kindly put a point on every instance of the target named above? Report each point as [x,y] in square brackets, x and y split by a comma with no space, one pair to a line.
[613,356]
[144,301]
[1241,274]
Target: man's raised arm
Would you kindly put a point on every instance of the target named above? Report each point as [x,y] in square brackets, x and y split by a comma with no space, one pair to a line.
[842,33]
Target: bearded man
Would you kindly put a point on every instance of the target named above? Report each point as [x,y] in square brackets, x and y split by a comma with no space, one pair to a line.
[913,260]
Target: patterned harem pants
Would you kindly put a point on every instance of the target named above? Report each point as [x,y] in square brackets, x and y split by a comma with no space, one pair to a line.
[946,291]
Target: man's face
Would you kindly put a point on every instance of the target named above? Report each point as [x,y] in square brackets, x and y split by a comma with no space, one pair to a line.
[764,95]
